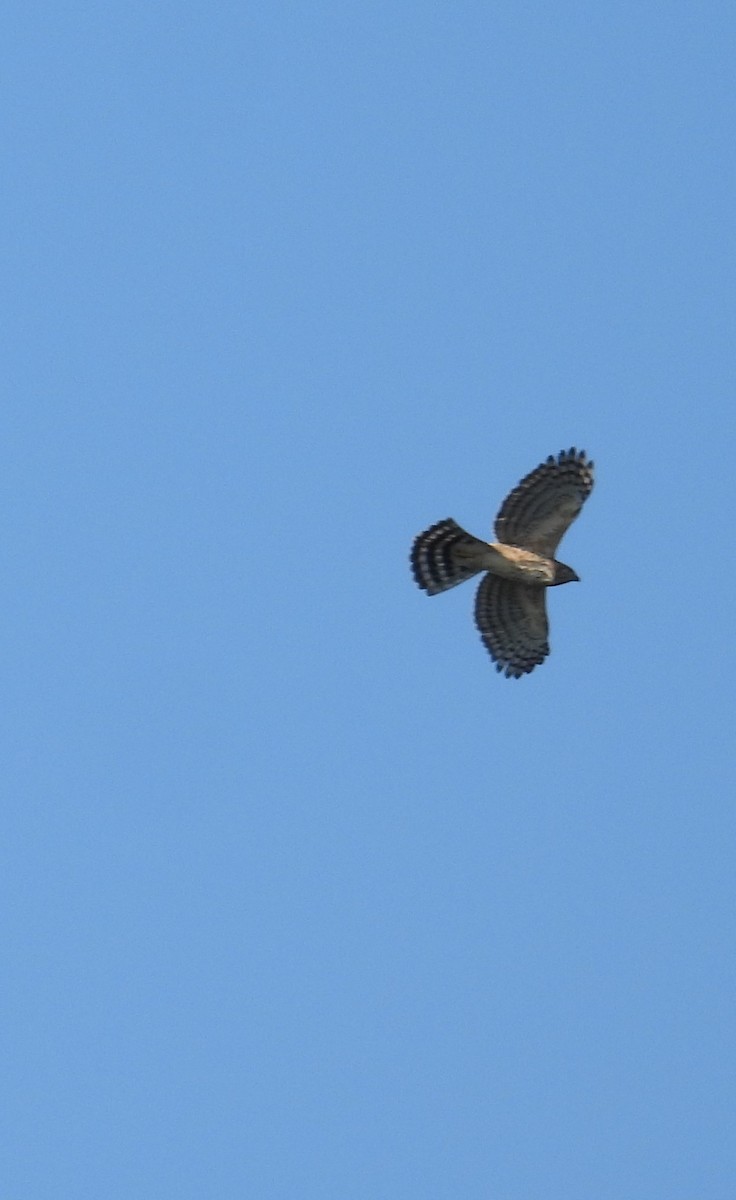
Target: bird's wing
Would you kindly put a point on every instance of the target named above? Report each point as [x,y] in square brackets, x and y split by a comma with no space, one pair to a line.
[542,507]
[512,622]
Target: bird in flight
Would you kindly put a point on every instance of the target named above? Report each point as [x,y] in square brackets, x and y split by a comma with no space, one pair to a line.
[510,605]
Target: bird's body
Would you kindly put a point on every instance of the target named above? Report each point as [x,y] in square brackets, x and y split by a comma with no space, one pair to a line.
[510,609]
[515,563]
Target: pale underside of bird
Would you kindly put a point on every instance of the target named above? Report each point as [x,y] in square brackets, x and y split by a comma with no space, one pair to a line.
[510,604]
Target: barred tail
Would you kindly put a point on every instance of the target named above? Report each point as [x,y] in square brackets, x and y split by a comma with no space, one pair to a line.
[445,555]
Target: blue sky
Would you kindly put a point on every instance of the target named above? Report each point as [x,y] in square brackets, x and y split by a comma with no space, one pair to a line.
[299,898]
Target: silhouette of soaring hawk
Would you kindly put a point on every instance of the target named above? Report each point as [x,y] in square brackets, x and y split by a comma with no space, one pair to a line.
[510,605]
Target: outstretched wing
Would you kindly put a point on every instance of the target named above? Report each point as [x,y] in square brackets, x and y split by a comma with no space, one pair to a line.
[512,622]
[540,510]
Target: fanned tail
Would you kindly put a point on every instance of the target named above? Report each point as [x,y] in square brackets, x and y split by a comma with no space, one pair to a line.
[444,556]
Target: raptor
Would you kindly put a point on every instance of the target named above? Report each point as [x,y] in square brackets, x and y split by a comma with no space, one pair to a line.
[510,604]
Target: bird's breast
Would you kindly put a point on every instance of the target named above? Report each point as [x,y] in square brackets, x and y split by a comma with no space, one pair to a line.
[523,566]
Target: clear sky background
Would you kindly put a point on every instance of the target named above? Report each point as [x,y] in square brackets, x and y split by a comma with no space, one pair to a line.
[300,900]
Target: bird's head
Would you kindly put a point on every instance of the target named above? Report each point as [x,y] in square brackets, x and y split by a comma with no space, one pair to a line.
[564,574]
